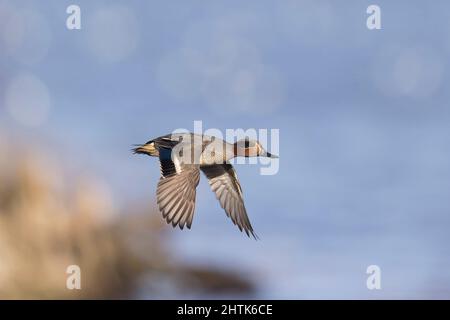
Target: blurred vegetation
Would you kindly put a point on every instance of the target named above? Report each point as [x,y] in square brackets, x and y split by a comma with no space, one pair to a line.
[49,221]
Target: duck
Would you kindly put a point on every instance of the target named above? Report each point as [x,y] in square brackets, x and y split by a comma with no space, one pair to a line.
[182,156]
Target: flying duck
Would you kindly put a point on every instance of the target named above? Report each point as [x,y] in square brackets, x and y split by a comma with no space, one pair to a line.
[182,156]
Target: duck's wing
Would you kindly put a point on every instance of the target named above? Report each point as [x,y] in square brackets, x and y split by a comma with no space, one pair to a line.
[168,141]
[176,190]
[167,166]
[224,182]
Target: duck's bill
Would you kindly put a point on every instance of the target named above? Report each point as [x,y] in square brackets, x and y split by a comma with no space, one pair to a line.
[269,155]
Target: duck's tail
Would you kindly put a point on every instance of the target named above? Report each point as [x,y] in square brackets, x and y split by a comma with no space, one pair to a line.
[148,149]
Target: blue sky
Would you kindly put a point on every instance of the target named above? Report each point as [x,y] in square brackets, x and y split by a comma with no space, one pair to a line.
[363,118]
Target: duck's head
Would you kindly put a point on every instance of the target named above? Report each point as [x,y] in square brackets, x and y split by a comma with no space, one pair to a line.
[251,148]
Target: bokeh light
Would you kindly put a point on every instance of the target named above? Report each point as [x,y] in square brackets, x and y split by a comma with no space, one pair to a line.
[222,68]
[27,99]
[25,34]
[414,72]
[308,21]
[113,33]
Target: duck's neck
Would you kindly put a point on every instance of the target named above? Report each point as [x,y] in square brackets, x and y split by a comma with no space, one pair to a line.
[238,151]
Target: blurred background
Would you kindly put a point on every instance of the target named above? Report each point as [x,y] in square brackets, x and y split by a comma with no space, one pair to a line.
[364,153]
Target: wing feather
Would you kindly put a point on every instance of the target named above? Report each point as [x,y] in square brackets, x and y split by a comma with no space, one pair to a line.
[223,181]
[176,191]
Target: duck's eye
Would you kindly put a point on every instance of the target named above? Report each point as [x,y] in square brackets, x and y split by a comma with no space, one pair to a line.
[250,143]
[246,143]
[243,143]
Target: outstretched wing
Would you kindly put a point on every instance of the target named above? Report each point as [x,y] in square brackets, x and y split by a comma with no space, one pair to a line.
[176,191]
[223,181]
[176,197]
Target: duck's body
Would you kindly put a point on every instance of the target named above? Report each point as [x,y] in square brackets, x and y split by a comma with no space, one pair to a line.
[182,156]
